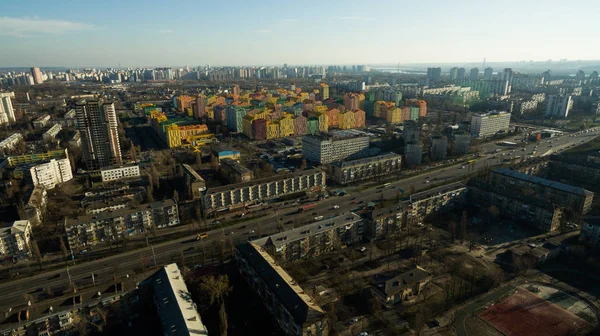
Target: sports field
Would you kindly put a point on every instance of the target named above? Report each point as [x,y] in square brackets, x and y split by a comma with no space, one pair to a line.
[526,314]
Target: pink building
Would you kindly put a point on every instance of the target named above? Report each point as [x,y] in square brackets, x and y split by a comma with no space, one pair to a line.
[359,118]
[299,125]
[333,115]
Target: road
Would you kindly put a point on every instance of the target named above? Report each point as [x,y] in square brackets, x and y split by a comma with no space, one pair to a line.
[13,293]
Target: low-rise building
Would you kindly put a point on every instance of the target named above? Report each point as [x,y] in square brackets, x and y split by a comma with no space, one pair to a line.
[36,205]
[220,152]
[390,290]
[295,311]
[51,134]
[438,200]
[327,149]
[314,239]
[173,301]
[51,173]
[235,172]
[362,169]
[195,183]
[11,142]
[246,193]
[117,173]
[41,122]
[75,141]
[25,159]
[389,222]
[511,203]
[14,240]
[577,200]
[91,229]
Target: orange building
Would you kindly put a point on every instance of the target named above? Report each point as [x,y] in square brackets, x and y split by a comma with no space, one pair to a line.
[333,117]
[351,101]
[359,118]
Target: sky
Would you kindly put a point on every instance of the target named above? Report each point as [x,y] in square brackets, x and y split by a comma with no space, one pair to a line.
[148,33]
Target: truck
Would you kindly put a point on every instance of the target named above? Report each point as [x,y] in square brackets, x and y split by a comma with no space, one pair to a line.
[307,207]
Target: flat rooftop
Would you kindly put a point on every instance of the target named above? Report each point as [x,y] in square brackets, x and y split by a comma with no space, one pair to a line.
[372,159]
[542,181]
[296,301]
[116,213]
[448,188]
[263,180]
[312,229]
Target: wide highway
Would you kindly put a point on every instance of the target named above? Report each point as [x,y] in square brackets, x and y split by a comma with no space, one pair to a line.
[14,293]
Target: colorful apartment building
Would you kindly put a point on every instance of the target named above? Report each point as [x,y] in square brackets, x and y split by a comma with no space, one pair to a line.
[286,126]
[299,125]
[312,126]
[332,117]
[346,120]
[381,107]
[182,102]
[360,117]
[272,129]
[259,129]
[352,101]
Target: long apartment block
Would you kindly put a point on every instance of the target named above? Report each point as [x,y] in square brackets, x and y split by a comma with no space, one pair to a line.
[438,199]
[113,225]
[241,194]
[362,169]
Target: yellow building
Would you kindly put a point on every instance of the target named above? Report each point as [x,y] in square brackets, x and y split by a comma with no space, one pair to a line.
[189,111]
[380,107]
[346,120]
[18,160]
[286,126]
[191,130]
[172,136]
[272,130]
[320,109]
[324,91]
[361,101]
[394,115]
[323,122]
[184,102]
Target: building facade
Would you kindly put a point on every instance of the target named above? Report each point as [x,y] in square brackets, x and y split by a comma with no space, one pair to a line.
[89,230]
[117,173]
[97,124]
[328,149]
[11,142]
[195,183]
[413,152]
[241,194]
[295,311]
[437,200]
[7,113]
[559,106]
[438,147]
[51,134]
[51,173]
[14,240]
[362,169]
[487,124]
[235,172]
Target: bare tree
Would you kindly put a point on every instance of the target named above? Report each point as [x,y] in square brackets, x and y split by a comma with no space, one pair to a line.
[217,288]
[452,230]
[63,247]
[463,226]
[35,252]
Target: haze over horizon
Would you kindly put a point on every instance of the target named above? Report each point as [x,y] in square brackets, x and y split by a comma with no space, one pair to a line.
[153,33]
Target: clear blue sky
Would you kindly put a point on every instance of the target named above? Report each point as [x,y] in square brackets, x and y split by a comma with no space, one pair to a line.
[249,32]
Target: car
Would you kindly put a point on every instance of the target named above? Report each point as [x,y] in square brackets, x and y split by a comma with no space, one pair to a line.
[363,333]
[353,320]
[336,206]
[426,181]
[363,249]
[83,252]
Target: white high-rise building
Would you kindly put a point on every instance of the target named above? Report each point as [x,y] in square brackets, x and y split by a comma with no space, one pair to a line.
[486,124]
[328,149]
[558,106]
[97,123]
[7,113]
[52,173]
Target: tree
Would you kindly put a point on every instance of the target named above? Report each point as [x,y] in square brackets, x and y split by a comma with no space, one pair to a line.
[217,288]
[452,230]
[35,252]
[463,226]
[63,248]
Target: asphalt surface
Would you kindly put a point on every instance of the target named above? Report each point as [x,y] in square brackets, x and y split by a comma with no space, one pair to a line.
[13,293]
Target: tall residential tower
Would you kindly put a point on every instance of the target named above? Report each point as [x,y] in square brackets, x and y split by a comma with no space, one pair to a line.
[97,123]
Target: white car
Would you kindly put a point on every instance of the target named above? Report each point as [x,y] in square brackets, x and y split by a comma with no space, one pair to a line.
[336,206]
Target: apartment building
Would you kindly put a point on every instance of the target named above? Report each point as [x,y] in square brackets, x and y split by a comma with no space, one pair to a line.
[91,229]
[390,221]
[51,134]
[487,124]
[14,240]
[531,211]
[312,240]
[195,183]
[36,205]
[327,149]
[438,147]
[559,106]
[235,172]
[413,152]
[51,173]
[11,142]
[173,301]
[438,200]
[118,173]
[25,159]
[461,143]
[295,311]
[41,122]
[242,194]
[7,113]
[590,232]
[362,169]
[574,199]
[578,170]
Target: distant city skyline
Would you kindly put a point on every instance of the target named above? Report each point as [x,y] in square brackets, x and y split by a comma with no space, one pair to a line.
[142,33]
